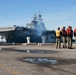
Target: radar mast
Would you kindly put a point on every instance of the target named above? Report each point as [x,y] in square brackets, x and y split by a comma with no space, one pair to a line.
[35,17]
[40,17]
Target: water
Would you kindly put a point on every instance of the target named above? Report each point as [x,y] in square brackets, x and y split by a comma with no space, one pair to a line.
[74,42]
[40,60]
[0,49]
[34,51]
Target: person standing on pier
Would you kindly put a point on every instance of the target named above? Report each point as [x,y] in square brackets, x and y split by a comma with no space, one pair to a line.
[58,38]
[69,37]
[75,34]
[63,31]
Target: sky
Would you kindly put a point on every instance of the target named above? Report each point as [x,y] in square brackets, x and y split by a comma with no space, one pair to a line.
[55,13]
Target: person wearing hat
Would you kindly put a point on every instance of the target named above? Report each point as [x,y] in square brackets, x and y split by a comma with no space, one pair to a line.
[63,31]
[58,38]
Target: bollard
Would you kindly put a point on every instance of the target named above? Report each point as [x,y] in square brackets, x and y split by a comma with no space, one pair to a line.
[28,40]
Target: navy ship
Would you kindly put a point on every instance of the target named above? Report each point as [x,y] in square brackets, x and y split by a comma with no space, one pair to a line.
[35,30]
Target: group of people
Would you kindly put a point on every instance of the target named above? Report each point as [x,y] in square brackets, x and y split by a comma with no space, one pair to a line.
[65,35]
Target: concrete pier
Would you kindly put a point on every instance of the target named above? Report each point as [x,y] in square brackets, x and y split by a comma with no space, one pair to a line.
[11,60]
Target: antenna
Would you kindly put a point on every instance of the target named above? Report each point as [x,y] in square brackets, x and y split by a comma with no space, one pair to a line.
[40,16]
[35,18]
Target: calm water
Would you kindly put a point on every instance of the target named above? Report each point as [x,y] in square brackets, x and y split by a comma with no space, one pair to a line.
[74,42]
[40,60]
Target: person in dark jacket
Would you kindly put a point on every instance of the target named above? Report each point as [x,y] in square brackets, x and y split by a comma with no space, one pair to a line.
[71,36]
[75,34]
[63,31]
